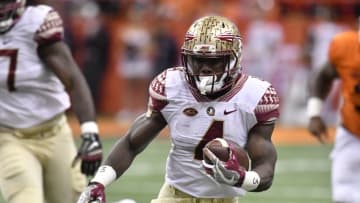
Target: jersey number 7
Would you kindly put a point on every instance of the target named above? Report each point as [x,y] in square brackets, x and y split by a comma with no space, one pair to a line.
[12,54]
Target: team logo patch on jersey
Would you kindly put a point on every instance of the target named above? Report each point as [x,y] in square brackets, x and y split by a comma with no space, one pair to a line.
[190,112]
[210,111]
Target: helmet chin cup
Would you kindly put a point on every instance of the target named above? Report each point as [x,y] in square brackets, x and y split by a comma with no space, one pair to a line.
[5,25]
[209,84]
[11,12]
[205,83]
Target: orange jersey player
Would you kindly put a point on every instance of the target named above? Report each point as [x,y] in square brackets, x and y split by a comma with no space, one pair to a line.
[344,54]
[343,64]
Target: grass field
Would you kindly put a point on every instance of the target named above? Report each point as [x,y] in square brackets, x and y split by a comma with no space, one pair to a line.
[302,175]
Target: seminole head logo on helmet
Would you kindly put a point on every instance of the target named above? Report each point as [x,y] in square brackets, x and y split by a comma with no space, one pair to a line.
[10,12]
[211,54]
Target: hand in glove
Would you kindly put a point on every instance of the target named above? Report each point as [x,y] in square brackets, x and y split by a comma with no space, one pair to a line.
[229,172]
[95,192]
[90,153]
[318,128]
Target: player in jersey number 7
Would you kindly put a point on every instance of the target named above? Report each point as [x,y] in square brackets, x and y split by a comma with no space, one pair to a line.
[208,97]
[38,78]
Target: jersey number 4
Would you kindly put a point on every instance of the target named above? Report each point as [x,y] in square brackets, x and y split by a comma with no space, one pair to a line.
[216,130]
[12,55]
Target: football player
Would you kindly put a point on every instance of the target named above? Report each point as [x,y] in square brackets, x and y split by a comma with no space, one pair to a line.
[209,97]
[344,65]
[38,76]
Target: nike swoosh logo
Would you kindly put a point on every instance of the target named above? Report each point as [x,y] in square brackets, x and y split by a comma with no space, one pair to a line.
[229,112]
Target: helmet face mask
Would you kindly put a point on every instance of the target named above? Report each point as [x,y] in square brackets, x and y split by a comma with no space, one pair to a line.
[211,54]
[210,74]
[10,11]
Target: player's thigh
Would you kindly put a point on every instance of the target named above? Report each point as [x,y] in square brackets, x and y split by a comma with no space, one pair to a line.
[62,180]
[20,172]
[172,200]
[191,200]
[168,194]
[345,166]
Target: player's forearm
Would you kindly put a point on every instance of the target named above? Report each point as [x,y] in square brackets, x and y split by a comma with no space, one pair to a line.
[322,83]
[264,165]
[123,162]
[140,134]
[114,165]
[322,87]
[266,174]
[82,102]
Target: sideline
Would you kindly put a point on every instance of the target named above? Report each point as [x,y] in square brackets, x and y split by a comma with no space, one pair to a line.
[282,135]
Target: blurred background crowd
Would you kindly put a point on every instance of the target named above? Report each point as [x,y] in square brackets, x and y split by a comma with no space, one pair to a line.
[121,44]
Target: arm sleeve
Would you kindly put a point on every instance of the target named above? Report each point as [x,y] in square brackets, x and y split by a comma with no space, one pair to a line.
[267,110]
[51,30]
[157,92]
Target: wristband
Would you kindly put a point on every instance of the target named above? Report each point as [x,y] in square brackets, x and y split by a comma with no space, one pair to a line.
[314,107]
[251,181]
[105,175]
[89,127]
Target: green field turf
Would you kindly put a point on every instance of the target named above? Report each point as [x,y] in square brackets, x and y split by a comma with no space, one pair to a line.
[302,175]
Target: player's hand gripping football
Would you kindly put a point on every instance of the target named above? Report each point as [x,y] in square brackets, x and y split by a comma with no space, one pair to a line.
[229,172]
[318,128]
[94,193]
[90,153]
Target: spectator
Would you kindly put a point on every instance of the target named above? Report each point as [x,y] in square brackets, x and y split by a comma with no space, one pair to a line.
[89,40]
[134,63]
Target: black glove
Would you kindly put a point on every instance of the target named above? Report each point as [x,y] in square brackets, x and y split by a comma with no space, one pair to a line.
[90,153]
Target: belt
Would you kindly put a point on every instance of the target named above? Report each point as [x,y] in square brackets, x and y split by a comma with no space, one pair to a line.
[181,194]
[43,130]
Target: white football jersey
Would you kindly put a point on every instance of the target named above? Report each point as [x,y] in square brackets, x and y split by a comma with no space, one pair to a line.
[30,93]
[194,120]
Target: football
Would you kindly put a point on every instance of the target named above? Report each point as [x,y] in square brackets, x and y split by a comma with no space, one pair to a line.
[221,148]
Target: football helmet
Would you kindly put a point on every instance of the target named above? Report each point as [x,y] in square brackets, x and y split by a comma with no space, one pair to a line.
[10,11]
[211,54]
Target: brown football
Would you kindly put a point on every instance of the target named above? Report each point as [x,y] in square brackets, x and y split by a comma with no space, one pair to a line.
[220,147]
